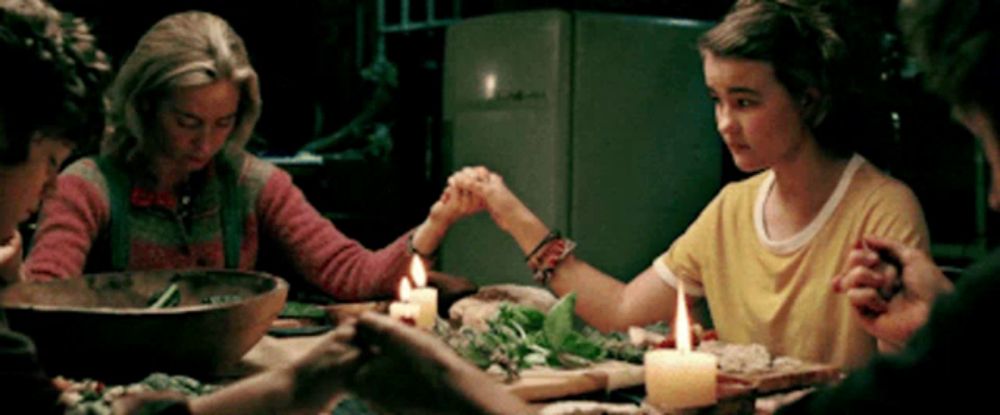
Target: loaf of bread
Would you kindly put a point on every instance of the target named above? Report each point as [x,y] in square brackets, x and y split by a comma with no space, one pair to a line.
[473,311]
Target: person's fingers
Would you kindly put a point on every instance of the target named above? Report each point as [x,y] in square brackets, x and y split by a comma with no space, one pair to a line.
[344,331]
[867,301]
[901,252]
[343,356]
[383,331]
[862,258]
[836,282]
[859,277]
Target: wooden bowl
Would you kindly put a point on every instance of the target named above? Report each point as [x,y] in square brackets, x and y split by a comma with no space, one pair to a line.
[98,326]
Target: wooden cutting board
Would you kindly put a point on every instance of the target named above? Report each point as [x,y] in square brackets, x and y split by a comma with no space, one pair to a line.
[537,384]
[811,374]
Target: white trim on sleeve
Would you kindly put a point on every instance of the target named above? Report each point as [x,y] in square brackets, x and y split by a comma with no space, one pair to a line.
[670,279]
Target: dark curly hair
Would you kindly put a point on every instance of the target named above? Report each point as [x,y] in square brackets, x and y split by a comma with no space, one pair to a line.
[956,44]
[52,78]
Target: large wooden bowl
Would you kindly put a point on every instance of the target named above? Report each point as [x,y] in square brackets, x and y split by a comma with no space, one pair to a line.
[98,326]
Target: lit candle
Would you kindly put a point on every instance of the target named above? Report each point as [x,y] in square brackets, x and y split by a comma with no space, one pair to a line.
[680,378]
[426,297]
[403,310]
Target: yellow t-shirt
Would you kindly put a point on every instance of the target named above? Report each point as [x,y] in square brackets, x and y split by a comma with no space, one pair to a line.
[778,293]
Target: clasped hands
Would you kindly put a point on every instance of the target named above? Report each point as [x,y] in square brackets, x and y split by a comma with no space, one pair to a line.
[474,189]
[891,288]
[395,368]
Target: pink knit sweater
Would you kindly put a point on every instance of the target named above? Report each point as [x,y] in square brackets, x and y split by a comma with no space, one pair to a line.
[76,217]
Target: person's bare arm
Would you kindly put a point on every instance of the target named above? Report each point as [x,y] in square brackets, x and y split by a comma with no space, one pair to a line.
[602,300]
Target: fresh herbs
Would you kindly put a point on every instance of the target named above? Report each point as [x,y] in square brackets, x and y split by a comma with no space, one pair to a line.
[295,309]
[169,297]
[221,299]
[520,337]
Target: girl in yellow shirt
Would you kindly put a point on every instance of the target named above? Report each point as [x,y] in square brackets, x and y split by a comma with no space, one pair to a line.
[765,250]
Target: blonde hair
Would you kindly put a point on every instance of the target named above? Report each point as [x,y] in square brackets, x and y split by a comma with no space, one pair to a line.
[182,50]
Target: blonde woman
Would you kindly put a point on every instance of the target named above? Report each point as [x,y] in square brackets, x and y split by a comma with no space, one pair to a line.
[174,187]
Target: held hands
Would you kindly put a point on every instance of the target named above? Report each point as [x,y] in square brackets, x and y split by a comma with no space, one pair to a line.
[319,375]
[891,303]
[453,205]
[407,370]
[393,366]
[490,188]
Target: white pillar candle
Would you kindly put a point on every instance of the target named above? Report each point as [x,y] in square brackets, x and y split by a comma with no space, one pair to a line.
[403,310]
[426,297]
[677,379]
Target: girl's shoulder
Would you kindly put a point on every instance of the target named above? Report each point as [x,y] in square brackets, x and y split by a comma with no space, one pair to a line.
[869,179]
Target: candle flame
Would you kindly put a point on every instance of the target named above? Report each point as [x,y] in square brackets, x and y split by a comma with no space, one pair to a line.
[404,290]
[682,326]
[417,272]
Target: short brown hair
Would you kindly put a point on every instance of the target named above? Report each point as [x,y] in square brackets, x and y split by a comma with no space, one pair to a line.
[797,39]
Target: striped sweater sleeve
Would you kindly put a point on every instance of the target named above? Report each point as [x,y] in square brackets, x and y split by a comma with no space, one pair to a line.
[70,220]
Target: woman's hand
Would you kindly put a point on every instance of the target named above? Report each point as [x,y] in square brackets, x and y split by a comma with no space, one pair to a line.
[886,312]
[453,205]
[502,204]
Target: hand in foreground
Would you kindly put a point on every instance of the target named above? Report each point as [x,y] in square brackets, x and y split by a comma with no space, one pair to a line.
[490,187]
[410,371]
[11,251]
[307,386]
[890,315]
[325,370]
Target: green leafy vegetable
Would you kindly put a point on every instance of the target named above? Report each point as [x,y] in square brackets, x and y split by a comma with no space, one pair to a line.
[221,299]
[559,322]
[295,309]
[519,337]
[169,297]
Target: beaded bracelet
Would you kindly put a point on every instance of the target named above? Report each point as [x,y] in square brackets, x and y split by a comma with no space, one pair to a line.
[553,235]
[553,254]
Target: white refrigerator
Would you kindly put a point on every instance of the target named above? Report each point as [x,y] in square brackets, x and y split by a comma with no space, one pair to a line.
[601,123]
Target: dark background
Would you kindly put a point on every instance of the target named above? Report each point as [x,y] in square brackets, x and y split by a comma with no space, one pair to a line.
[310,54]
